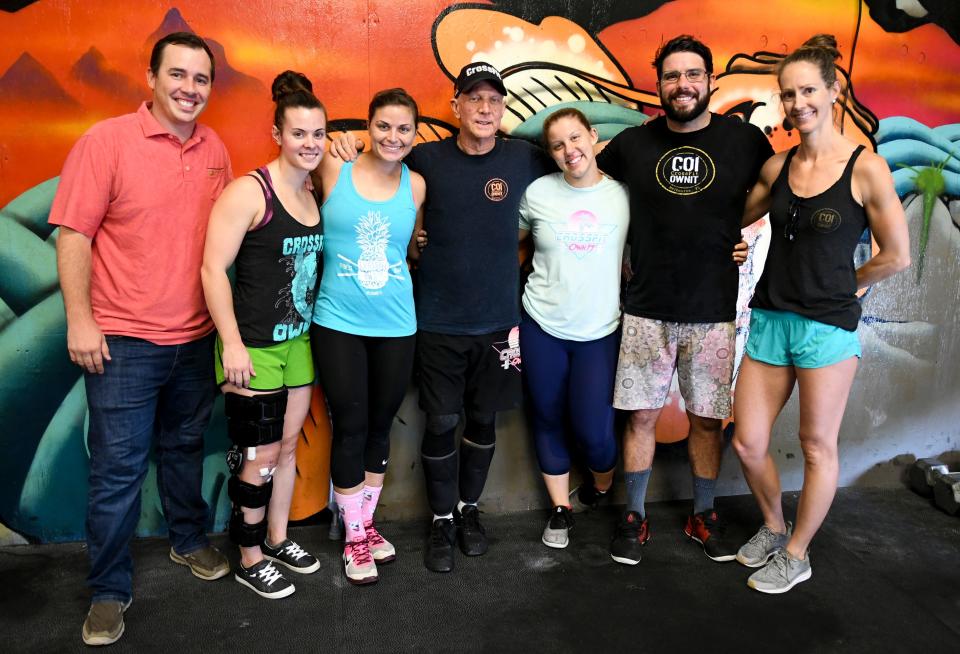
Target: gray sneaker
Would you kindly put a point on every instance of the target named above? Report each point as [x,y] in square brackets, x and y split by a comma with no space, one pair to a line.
[758,550]
[104,623]
[557,532]
[781,574]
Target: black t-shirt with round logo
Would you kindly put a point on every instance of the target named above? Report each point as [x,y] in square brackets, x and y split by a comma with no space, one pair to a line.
[467,281]
[687,192]
[813,273]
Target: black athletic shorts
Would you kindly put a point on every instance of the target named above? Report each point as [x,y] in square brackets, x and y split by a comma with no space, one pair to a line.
[479,373]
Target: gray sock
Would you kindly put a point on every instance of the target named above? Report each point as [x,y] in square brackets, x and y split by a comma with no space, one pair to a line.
[704,491]
[637,491]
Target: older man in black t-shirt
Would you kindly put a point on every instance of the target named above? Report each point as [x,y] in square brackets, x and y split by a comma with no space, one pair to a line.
[688,174]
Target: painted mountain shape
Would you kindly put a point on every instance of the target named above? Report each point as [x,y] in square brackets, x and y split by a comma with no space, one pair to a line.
[92,69]
[227,78]
[173,21]
[27,80]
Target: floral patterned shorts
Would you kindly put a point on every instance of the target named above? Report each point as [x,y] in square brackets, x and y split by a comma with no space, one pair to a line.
[701,353]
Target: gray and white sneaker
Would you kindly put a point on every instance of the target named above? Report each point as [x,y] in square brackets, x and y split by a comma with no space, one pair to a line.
[265,580]
[781,574]
[291,555]
[762,545]
[557,532]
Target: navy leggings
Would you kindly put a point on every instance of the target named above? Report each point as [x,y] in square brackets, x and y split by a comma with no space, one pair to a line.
[570,380]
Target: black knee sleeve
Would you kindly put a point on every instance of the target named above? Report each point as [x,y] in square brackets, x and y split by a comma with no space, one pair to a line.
[440,423]
[476,454]
[439,459]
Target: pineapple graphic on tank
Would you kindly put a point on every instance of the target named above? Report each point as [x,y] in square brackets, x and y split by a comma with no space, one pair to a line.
[372,269]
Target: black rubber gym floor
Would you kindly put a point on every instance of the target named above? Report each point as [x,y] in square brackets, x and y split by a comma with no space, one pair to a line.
[886,579]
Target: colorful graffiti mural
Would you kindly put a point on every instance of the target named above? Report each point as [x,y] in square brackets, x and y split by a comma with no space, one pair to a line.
[68,64]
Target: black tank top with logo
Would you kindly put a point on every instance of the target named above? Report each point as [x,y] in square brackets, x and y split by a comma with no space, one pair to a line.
[809,268]
[277,268]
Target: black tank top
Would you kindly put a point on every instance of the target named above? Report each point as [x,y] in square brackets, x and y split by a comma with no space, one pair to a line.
[813,274]
[276,273]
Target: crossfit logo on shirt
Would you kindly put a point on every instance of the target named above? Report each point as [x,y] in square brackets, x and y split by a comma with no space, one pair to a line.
[496,189]
[583,233]
[685,171]
[825,220]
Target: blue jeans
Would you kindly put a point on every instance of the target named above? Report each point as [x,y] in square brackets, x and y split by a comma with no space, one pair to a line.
[147,393]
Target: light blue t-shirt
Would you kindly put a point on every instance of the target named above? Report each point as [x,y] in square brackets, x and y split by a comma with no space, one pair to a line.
[573,292]
[365,288]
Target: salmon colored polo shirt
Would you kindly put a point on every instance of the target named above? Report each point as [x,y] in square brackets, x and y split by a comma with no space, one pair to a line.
[144,198]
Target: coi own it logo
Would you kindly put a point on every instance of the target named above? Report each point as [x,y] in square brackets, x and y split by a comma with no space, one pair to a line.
[685,171]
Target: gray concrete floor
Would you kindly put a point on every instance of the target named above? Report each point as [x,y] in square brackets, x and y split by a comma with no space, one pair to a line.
[886,579]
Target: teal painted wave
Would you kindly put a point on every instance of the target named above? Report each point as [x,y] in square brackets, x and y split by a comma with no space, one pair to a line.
[903,140]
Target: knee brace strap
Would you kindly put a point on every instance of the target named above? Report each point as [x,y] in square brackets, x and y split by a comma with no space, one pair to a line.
[248,495]
[256,420]
[246,535]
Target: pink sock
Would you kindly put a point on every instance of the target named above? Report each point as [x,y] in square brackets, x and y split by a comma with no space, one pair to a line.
[371,495]
[351,512]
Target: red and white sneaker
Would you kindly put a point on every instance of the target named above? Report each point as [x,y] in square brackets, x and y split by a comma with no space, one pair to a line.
[381,549]
[358,564]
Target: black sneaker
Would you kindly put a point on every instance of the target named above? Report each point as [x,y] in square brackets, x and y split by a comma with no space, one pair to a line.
[291,555]
[265,580]
[471,535]
[438,552]
[586,497]
[631,535]
[706,529]
[557,532]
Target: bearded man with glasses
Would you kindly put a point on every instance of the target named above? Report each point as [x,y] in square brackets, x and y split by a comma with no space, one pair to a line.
[688,173]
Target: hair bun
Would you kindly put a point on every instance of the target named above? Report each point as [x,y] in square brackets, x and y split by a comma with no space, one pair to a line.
[827,42]
[289,82]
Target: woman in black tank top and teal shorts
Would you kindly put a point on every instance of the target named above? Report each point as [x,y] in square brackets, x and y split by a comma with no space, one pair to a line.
[268,223]
[821,196]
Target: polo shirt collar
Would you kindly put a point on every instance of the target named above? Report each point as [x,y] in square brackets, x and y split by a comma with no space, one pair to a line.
[152,127]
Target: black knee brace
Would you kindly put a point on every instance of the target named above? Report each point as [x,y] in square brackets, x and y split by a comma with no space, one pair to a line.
[250,496]
[251,421]
[476,454]
[255,420]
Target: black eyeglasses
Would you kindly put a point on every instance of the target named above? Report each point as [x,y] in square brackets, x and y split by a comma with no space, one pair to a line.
[793,225]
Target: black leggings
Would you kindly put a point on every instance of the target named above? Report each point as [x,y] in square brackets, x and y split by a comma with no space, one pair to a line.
[364,379]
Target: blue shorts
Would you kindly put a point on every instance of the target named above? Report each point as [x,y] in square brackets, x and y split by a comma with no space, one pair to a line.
[783,338]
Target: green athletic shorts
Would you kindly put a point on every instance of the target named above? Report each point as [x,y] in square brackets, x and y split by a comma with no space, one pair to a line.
[284,365]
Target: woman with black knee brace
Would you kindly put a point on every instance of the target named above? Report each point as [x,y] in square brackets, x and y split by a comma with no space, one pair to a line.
[364,323]
[268,223]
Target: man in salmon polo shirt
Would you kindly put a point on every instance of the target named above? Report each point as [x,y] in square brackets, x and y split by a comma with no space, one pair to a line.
[132,204]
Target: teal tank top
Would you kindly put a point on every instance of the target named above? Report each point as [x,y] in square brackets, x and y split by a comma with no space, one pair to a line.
[365,288]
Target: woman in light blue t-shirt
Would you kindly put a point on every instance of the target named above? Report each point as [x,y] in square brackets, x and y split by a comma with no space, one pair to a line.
[571,313]
[364,323]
